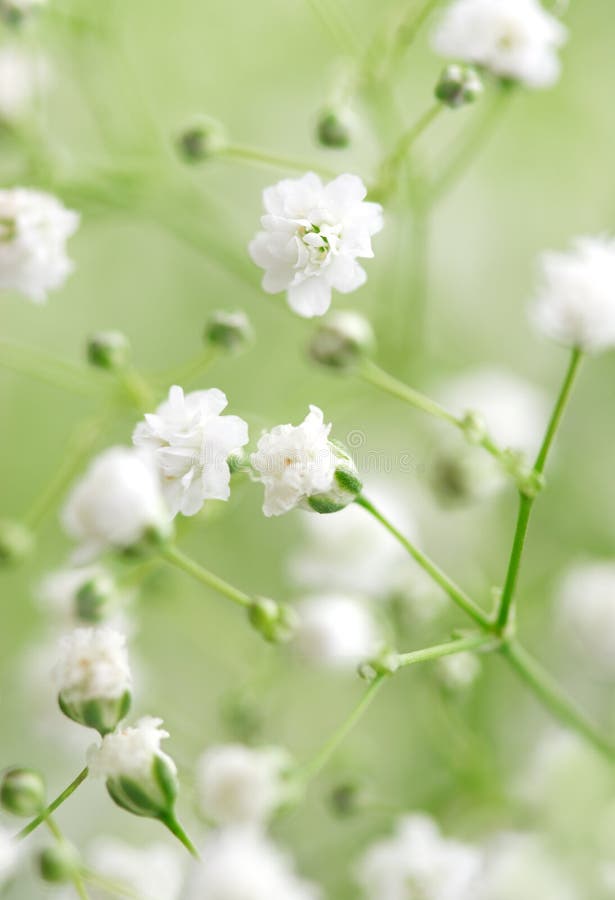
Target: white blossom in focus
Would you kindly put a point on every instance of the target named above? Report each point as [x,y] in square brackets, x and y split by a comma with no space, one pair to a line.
[335,631]
[153,872]
[575,299]
[585,603]
[239,784]
[240,863]
[514,39]
[521,866]
[116,502]
[191,443]
[312,236]
[22,76]
[9,855]
[92,664]
[130,752]
[418,862]
[34,228]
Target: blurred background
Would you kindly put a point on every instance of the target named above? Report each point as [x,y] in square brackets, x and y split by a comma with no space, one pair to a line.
[161,245]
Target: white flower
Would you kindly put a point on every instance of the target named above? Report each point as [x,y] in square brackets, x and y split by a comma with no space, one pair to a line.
[335,631]
[418,862]
[129,751]
[459,671]
[191,443]
[92,664]
[19,8]
[116,503]
[514,39]
[21,77]
[586,609]
[240,863]
[521,866]
[575,301]
[154,872]
[9,855]
[58,591]
[34,228]
[312,237]
[239,784]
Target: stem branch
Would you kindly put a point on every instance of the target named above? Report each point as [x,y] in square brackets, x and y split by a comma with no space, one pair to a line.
[180,560]
[44,815]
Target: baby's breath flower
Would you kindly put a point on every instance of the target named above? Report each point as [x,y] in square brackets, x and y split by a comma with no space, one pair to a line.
[342,340]
[34,228]
[521,865]
[154,872]
[586,612]
[239,784]
[83,594]
[459,671]
[9,855]
[312,236]
[191,444]
[514,39]
[335,631]
[575,301]
[22,76]
[14,11]
[22,792]
[229,331]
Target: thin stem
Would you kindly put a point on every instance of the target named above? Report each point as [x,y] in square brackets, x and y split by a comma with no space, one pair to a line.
[191,370]
[549,692]
[448,586]
[310,769]
[408,28]
[76,877]
[391,165]
[111,887]
[175,828]
[336,26]
[241,153]
[176,558]
[44,815]
[558,410]
[459,645]
[46,368]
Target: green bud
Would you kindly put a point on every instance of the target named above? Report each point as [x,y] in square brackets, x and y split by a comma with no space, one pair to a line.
[103,714]
[96,599]
[458,85]
[153,798]
[342,341]
[386,663]
[474,427]
[230,332]
[345,799]
[333,129]
[12,13]
[59,863]
[153,540]
[346,484]
[202,140]
[108,350]
[274,621]
[16,542]
[22,792]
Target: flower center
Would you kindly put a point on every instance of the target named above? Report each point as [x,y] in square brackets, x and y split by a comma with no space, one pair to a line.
[317,245]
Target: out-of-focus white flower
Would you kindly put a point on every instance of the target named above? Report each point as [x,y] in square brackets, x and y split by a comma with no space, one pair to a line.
[514,39]
[9,855]
[22,76]
[585,602]
[34,228]
[312,236]
[240,863]
[520,865]
[459,671]
[417,861]
[335,631]
[15,10]
[116,503]
[239,784]
[62,594]
[298,464]
[191,443]
[154,872]
[575,299]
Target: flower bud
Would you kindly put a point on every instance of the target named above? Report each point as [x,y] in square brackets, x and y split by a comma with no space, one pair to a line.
[274,621]
[59,863]
[342,340]
[16,542]
[458,85]
[96,598]
[202,140]
[22,792]
[108,350]
[333,129]
[386,663]
[345,799]
[14,12]
[230,332]
[346,485]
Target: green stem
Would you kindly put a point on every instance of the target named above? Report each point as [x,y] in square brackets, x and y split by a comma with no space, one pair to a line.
[436,574]
[391,165]
[76,877]
[44,815]
[46,368]
[459,645]
[190,370]
[558,410]
[175,828]
[111,887]
[241,153]
[176,558]
[336,26]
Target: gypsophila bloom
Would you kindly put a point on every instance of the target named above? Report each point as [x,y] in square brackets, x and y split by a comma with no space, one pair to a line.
[335,631]
[22,76]
[514,39]
[239,784]
[575,299]
[312,236]
[586,612]
[59,591]
[191,443]
[9,856]
[116,504]
[153,872]
[418,862]
[521,866]
[299,465]
[13,11]
[34,228]
[240,863]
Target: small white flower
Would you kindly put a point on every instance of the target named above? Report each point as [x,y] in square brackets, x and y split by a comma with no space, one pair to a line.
[240,863]
[58,591]
[575,301]
[9,855]
[130,751]
[34,228]
[191,442]
[586,611]
[92,665]
[312,237]
[520,865]
[241,785]
[417,861]
[514,39]
[335,631]
[22,76]
[154,872]
[116,503]
[459,671]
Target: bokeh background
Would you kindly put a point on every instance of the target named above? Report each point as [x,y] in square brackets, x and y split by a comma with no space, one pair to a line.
[170,249]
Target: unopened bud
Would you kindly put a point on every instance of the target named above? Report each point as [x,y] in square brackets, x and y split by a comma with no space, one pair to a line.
[386,663]
[345,799]
[22,792]
[346,485]
[458,85]
[108,350]
[228,331]
[16,542]
[202,140]
[274,621]
[334,129]
[342,341]
[96,599]
[59,863]
[15,12]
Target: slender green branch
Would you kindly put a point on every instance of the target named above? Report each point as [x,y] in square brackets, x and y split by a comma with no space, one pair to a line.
[49,810]
[76,876]
[111,887]
[191,370]
[448,586]
[558,410]
[241,153]
[49,369]
[391,165]
[176,558]
[459,645]
[336,26]
[175,828]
